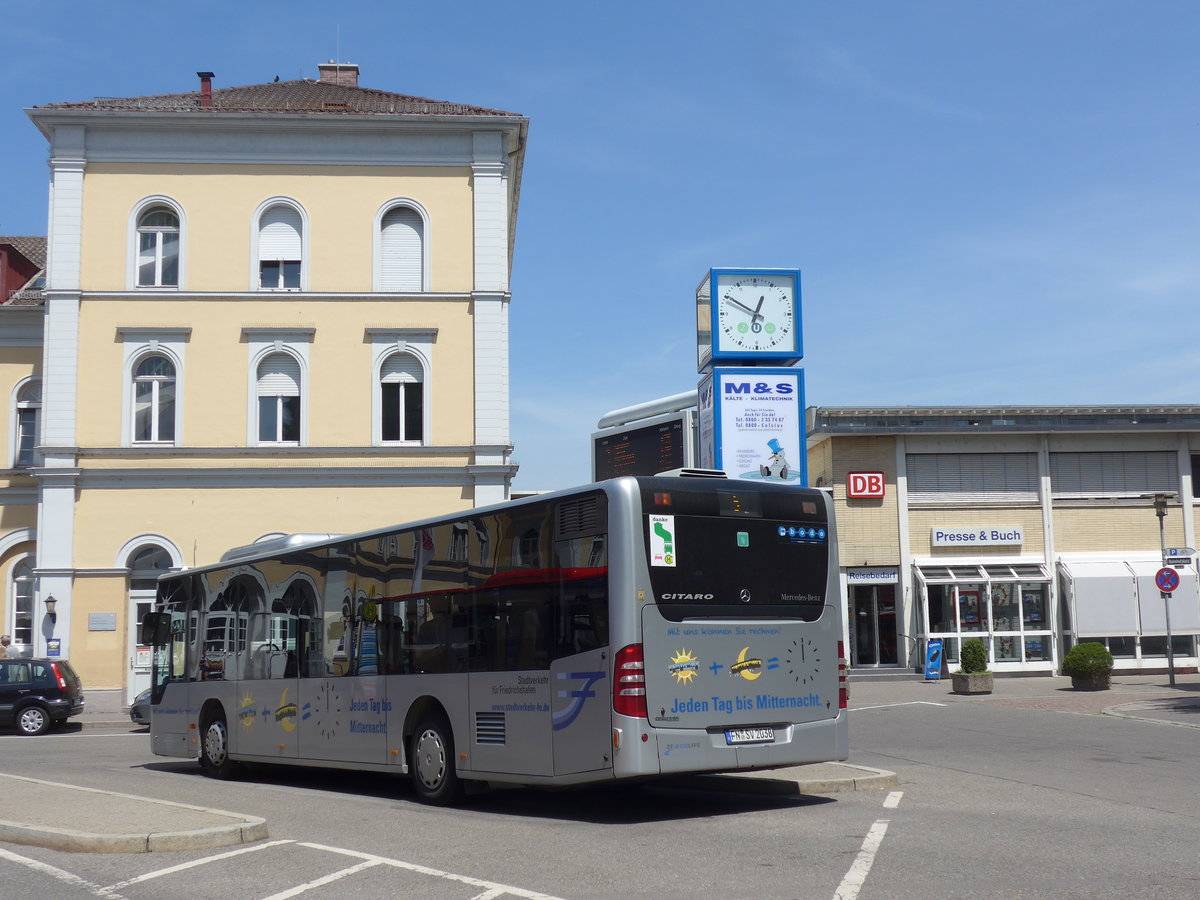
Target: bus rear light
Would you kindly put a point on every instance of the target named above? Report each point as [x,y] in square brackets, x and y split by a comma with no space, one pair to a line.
[843,679]
[629,682]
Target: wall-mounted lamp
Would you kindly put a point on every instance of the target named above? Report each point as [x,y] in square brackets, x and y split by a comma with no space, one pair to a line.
[51,606]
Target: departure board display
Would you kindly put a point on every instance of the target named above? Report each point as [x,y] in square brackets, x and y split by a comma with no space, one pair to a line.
[642,450]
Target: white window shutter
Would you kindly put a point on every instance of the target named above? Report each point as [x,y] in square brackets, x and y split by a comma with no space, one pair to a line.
[279,376]
[401,250]
[279,234]
[401,367]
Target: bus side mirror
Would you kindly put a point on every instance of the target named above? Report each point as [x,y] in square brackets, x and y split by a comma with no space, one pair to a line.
[156,628]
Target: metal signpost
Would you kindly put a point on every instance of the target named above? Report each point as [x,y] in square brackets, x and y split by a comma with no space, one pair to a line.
[1167,580]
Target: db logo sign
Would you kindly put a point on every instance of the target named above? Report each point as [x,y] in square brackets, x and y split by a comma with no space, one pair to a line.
[861,485]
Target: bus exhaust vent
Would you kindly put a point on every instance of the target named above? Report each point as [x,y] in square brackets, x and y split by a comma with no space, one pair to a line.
[692,473]
[489,728]
[579,518]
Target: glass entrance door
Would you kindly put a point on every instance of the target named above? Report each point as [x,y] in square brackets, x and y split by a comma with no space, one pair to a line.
[873,625]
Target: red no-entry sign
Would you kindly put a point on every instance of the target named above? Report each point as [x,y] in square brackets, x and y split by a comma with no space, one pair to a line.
[1167,580]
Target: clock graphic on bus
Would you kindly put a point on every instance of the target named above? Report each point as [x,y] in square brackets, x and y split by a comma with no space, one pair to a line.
[746,315]
[803,661]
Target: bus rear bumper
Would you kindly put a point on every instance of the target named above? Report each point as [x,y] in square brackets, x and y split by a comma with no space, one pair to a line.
[701,750]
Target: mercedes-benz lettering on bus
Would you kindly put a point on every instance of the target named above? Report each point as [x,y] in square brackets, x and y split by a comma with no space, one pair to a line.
[628,629]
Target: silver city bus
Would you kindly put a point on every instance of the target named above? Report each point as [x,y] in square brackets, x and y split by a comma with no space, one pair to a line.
[627,629]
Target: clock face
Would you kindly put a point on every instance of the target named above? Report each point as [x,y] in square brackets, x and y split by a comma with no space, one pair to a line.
[803,661]
[755,313]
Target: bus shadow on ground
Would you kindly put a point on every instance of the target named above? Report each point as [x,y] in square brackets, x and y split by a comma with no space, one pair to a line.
[623,804]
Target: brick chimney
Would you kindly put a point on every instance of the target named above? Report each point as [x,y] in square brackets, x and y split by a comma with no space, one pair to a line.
[205,88]
[345,74]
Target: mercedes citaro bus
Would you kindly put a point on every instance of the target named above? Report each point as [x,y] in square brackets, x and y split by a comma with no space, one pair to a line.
[628,629]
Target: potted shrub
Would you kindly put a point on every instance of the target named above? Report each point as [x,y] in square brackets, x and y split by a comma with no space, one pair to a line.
[973,677]
[1090,666]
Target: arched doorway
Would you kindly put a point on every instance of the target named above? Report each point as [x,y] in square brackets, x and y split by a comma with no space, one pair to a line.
[145,565]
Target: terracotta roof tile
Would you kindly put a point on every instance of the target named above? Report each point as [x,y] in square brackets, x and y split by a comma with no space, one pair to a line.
[32,247]
[301,96]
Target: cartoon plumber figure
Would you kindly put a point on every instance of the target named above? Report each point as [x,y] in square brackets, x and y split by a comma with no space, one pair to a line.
[777,464]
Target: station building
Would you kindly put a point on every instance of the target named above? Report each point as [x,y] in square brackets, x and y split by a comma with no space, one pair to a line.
[267,309]
[1032,528]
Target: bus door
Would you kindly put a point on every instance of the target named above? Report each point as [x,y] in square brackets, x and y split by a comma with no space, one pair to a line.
[581,697]
[268,702]
[510,687]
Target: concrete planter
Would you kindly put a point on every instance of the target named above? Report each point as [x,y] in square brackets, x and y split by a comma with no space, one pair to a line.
[1096,681]
[974,683]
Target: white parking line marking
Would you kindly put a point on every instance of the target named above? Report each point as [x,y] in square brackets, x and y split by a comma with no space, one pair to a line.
[893,800]
[890,705]
[328,879]
[195,862]
[857,875]
[61,875]
[437,873]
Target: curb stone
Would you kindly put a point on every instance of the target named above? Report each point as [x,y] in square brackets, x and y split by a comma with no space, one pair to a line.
[102,807]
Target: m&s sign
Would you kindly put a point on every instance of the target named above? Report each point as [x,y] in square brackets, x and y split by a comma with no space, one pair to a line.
[860,485]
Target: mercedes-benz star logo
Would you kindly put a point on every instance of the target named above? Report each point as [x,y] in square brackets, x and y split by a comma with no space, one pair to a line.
[744,594]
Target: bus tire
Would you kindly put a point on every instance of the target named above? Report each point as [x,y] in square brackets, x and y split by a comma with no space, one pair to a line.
[431,762]
[214,747]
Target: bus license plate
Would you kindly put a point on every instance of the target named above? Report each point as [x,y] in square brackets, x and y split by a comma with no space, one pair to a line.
[750,735]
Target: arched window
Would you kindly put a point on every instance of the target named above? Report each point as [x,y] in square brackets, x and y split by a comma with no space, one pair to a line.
[154,400]
[279,399]
[402,250]
[145,566]
[158,248]
[21,591]
[29,409]
[402,399]
[280,248]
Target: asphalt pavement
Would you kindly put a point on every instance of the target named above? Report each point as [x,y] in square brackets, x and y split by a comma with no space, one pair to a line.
[74,818]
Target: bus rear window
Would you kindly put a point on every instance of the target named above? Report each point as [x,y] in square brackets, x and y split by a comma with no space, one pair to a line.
[704,566]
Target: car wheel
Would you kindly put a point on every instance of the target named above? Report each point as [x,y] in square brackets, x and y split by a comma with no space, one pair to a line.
[214,747]
[431,763]
[33,720]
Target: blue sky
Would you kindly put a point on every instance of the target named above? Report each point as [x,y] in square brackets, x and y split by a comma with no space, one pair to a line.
[992,203]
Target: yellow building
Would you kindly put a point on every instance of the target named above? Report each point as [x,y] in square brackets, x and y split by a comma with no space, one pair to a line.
[1031,528]
[269,309]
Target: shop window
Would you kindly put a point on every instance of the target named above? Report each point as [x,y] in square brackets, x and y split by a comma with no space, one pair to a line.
[941,612]
[1033,606]
[1037,649]
[1123,647]
[972,608]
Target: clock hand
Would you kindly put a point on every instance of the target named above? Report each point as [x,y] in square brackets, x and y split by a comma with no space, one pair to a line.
[754,314]
[757,314]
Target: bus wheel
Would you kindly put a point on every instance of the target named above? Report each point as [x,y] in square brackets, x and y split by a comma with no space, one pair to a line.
[214,747]
[432,763]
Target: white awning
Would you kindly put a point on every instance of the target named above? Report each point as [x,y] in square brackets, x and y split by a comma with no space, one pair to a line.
[1119,597]
[1103,597]
[1184,601]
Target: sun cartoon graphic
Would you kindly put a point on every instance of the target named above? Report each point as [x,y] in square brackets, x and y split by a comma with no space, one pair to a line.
[684,666]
